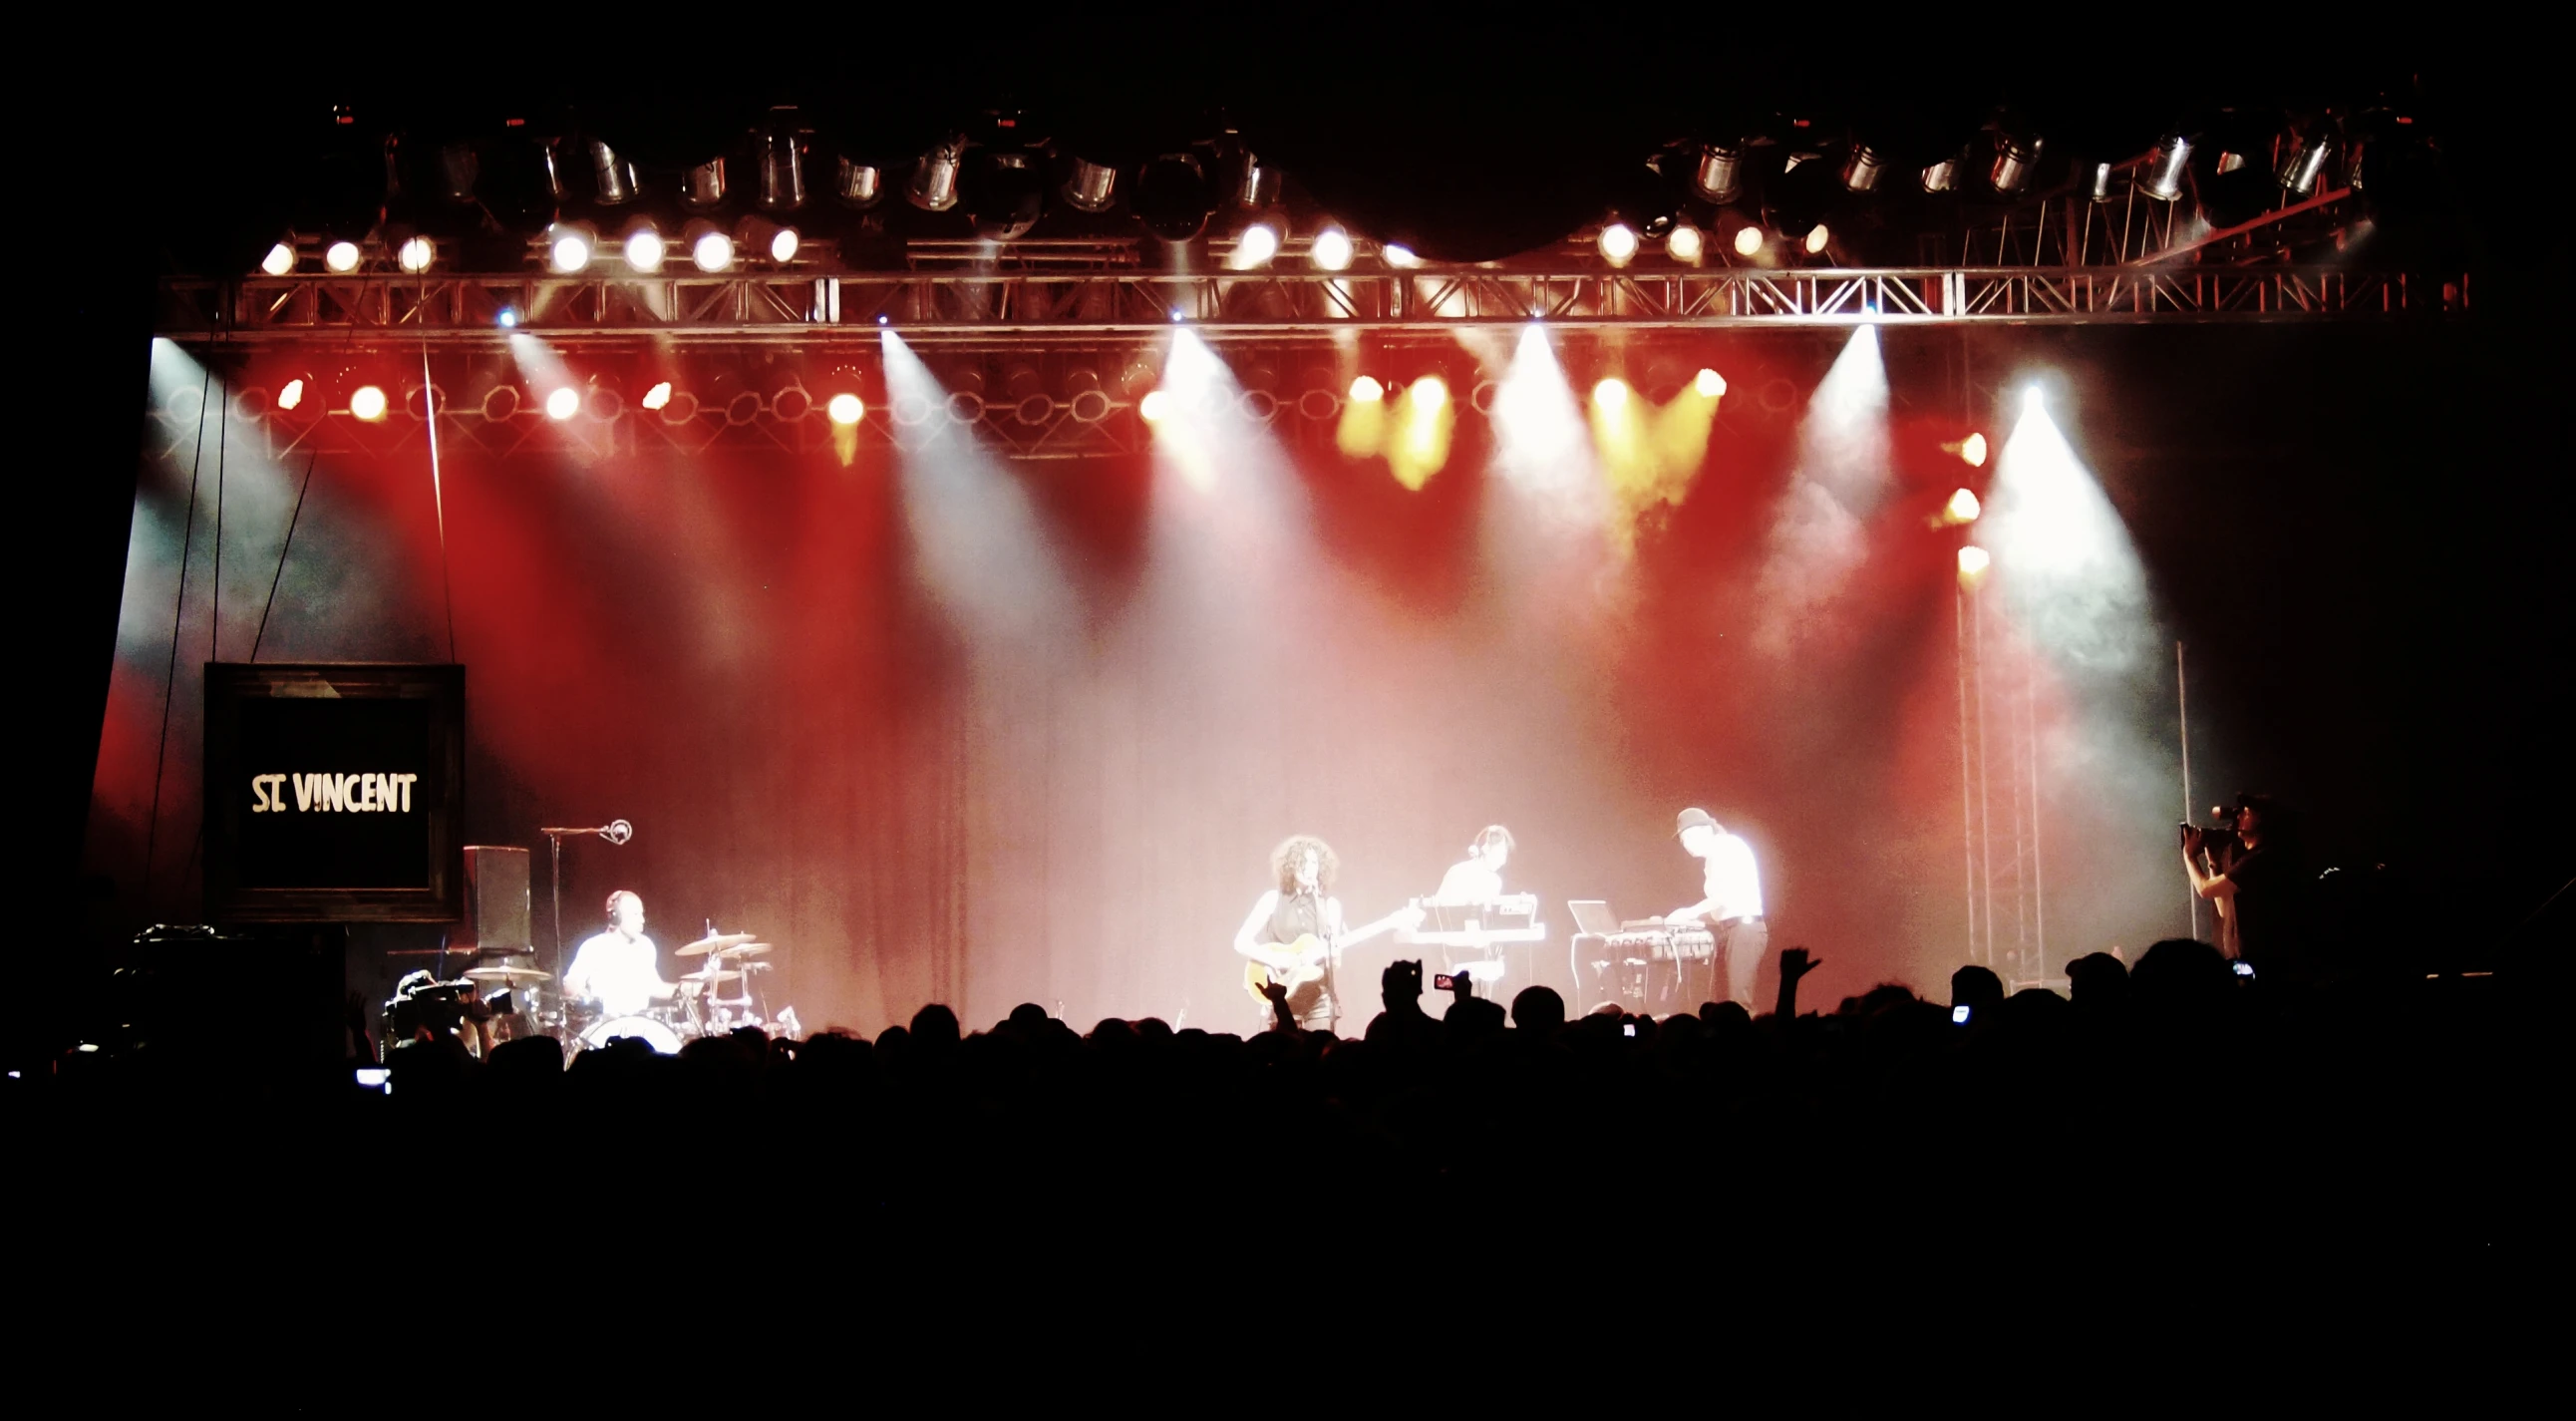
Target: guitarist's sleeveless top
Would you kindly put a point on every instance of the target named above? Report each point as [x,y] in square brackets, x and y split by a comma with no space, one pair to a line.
[1296,915]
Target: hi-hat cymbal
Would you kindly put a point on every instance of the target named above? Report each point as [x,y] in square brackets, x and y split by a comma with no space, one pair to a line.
[507,974]
[749,949]
[709,974]
[705,945]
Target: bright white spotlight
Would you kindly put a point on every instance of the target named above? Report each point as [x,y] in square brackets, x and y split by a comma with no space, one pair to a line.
[1748,241]
[1973,563]
[1618,244]
[564,403]
[341,257]
[644,249]
[657,397]
[1155,407]
[1399,256]
[1331,249]
[782,245]
[1684,245]
[1367,391]
[291,396]
[1963,507]
[1430,392]
[368,403]
[1611,393]
[509,317]
[569,251]
[1817,236]
[279,261]
[416,254]
[845,408]
[712,251]
[1258,244]
[1708,383]
[2033,401]
[1973,449]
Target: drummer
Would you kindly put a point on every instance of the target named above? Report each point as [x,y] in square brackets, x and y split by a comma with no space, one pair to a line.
[619,968]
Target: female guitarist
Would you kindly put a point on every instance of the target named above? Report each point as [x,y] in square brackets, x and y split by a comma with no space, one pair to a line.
[1295,930]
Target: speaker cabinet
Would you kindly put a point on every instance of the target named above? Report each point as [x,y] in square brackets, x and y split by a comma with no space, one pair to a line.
[496,901]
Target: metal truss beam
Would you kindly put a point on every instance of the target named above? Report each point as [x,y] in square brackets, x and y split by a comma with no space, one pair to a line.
[1019,308]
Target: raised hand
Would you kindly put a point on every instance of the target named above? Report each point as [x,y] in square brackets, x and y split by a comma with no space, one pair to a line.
[1795,963]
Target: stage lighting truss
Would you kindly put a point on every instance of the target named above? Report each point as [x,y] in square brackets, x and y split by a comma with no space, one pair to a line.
[1038,303]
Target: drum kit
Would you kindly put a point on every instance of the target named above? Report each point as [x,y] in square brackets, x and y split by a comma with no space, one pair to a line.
[504,997]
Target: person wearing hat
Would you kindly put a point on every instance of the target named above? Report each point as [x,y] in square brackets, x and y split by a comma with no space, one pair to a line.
[1731,902]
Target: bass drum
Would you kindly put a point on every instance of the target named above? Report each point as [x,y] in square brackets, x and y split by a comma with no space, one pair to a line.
[644,1028]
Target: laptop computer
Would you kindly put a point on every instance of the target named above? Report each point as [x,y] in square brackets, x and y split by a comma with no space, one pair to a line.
[1592,916]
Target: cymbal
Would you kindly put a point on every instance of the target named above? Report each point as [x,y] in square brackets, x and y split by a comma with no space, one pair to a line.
[507,974]
[709,974]
[705,945]
[749,949]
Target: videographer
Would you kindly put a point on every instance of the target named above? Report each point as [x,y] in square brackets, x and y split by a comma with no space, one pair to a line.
[2249,872]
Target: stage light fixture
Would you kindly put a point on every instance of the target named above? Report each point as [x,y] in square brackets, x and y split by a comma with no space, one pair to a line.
[2033,400]
[563,403]
[656,397]
[1430,392]
[2099,183]
[508,319]
[1173,199]
[845,409]
[1817,237]
[2305,161]
[1748,241]
[1399,256]
[783,244]
[934,177]
[1258,244]
[1089,186]
[1155,407]
[1719,175]
[416,255]
[1367,391]
[1973,563]
[280,259]
[1973,450]
[341,257]
[1941,175]
[712,252]
[367,402]
[1709,384]
[782,172]
[568,247]
[291,394]
[2015,159]
[1331,249]
[2165,168]
[857,183]
[1618,242]
[1684,244]
[1611,393]
[644,249]
[1862,167]
[613,177]
[703,186]
[1963,507]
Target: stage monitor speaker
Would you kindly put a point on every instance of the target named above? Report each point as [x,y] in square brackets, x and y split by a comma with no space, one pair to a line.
[496,901]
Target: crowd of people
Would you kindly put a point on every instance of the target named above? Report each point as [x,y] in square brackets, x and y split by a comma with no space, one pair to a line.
[2171,1095]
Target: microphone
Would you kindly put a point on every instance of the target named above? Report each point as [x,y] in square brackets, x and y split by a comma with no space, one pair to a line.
[616,831]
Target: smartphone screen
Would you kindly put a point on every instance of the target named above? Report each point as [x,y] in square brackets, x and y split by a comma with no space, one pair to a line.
[2244,969]
[1628,1029]
[1959,1015]
[1442,982]
[375,1078]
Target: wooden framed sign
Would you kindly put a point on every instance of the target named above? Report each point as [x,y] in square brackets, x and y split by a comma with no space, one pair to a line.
[333,792]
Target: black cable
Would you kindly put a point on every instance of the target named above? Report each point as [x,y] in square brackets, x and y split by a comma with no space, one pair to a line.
[170,676]
[291,520]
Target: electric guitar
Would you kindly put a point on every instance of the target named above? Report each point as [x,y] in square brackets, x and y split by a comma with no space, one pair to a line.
[1310,953]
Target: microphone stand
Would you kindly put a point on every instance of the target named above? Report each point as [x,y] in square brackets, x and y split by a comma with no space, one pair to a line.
[616,831]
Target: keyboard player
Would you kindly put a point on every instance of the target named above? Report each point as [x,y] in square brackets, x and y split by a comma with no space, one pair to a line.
[1730,902]
[1478,878]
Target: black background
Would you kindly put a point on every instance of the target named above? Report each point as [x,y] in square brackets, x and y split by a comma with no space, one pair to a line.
[318,848]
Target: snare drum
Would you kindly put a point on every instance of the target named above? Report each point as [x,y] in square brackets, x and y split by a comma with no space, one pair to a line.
[644,1028]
